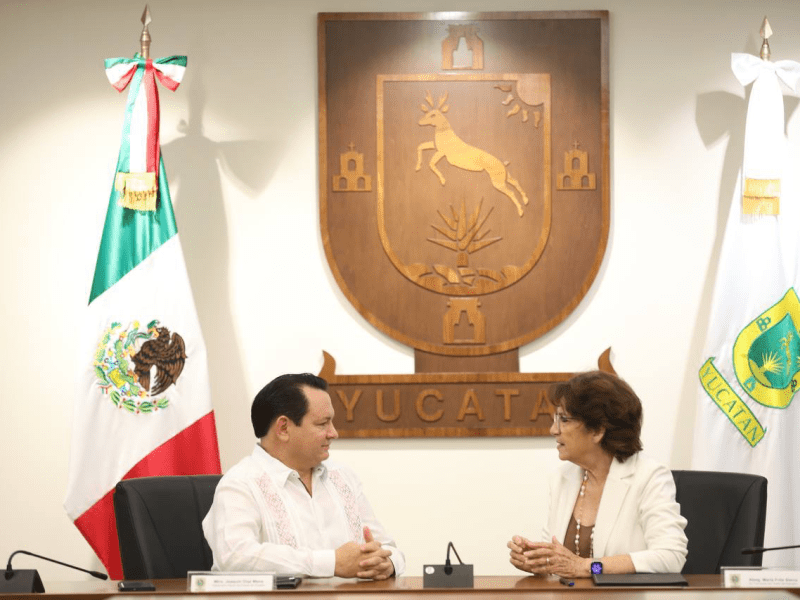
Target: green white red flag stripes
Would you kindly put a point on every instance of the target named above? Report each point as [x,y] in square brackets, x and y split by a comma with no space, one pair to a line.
[143,405]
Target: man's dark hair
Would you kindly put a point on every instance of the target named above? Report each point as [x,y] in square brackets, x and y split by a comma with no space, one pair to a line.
[602,400]
[283,395]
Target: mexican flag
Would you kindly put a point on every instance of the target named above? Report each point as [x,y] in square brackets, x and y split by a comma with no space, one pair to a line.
[747,418]
[143,405]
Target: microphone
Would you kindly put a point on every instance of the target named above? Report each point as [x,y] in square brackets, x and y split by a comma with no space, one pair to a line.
[448,575]
[759,549]
[27,581]
[448,568]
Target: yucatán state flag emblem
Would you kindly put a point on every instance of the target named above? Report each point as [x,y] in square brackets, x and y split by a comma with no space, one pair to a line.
[766,355]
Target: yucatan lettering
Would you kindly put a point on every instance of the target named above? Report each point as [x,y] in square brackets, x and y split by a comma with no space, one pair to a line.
[463,404]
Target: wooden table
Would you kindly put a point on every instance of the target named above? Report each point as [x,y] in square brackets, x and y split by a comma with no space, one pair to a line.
[701,587]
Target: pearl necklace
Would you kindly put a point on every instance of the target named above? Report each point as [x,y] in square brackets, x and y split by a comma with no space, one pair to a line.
[578,521]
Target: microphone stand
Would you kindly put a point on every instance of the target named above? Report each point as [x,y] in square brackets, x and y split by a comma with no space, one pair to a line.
[27,581]
[760,550]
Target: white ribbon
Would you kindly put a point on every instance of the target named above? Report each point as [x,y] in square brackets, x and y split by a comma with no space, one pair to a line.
[747,68]
[764,140]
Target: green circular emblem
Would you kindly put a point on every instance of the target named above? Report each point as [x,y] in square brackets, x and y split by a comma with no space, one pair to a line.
[766,355]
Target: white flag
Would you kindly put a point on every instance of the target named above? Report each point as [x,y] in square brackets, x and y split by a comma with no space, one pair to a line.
[747,421]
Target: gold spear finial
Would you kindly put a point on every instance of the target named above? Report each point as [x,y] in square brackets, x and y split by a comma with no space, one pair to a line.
[145,38]
[766,32]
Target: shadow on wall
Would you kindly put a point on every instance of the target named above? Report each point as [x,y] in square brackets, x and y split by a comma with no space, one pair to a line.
[195,162]
[718,115]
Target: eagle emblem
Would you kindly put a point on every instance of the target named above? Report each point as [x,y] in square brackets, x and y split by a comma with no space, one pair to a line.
[167,354]
[124,362]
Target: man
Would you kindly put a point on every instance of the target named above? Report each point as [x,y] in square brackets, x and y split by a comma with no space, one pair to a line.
[281,509]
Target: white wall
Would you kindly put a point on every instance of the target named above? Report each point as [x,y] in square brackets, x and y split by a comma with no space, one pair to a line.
[240,144]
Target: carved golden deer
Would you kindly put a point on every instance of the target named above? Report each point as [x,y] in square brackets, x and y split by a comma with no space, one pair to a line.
[460,154]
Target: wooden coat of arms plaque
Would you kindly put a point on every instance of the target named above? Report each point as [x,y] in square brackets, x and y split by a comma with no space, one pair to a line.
[464,198]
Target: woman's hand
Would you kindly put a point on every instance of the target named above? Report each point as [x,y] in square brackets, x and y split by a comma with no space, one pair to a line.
[518,545]
[550,559]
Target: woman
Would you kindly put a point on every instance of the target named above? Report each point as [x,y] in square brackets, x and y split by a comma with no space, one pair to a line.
[610,503]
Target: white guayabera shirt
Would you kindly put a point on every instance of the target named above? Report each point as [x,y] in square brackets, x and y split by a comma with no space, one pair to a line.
[263,519]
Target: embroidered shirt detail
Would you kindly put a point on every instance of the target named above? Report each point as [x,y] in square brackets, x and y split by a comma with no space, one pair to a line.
[349,504]
[278,510]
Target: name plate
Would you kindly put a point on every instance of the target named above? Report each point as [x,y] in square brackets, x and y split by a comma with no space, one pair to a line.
[232,581]
[760,578]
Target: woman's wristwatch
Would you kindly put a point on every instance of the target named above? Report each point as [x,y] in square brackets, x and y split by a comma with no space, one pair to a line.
[597,567]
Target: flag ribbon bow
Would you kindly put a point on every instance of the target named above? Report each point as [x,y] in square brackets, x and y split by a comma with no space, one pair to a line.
[747,68]
[138,166]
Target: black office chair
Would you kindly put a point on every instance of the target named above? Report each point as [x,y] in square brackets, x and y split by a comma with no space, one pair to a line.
[159,525]
[725,512]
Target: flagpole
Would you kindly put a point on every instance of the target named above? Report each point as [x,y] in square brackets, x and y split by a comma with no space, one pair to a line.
[145,37]
[766,32]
